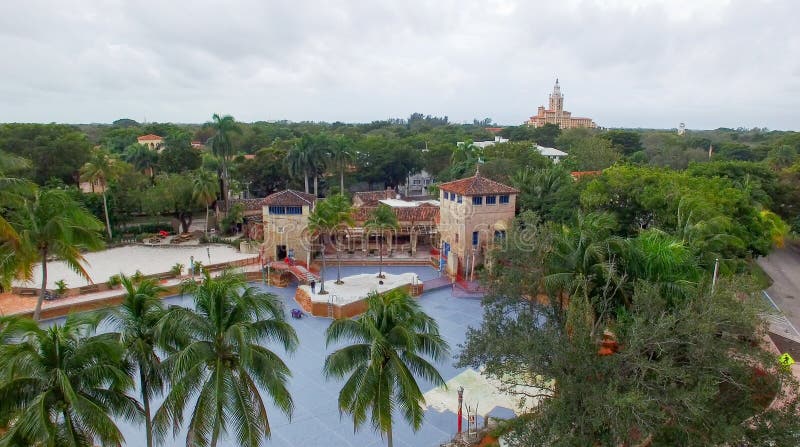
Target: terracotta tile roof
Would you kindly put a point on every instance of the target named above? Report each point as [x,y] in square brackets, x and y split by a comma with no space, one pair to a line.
[149,137]
[424,213]
[477,185]
[250,204]
[289,197]
[371,198]
[494,129]
[579,174]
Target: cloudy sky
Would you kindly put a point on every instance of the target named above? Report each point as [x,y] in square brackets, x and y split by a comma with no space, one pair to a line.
[635,63]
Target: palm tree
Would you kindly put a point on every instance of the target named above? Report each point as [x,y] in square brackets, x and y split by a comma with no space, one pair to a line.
[52,223]
[137,321]
[341,218]
[204,189]
[298,159]
[318,158]
[389,342]
[224,362]
[329,215]
[381,219]
[341,153]
[221,146]
[13,191]
[101,169]
[61,385]
[142,158]
[579,261]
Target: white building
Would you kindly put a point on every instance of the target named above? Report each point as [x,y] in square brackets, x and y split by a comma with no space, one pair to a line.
[553,154]
[417,184]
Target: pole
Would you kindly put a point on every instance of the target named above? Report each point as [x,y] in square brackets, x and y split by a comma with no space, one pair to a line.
[191,266]
[716,272]
[268,271]
[460,404]
[472,266]
[441,248]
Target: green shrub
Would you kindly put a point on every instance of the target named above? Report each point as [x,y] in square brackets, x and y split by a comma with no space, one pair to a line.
[114,281]
[176,269]
[61,287]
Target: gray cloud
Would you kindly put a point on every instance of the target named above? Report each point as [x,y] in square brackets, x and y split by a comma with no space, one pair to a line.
[629,63]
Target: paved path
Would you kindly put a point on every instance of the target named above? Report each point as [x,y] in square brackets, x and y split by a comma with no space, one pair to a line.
[783,266]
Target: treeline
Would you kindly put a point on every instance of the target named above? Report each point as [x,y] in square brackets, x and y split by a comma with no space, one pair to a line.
[263,157]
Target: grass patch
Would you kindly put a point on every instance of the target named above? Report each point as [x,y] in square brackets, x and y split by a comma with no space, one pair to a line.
[758,274]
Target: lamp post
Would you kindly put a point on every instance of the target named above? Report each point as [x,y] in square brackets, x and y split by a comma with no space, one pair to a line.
[191,266]
[460,404]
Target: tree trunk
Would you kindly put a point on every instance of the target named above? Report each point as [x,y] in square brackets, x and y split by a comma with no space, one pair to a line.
[206,219]
[38,311]
[338,265]
[218,409]
[148,422]
[315,185]
[341,181]
[305,179]
[105,208]
[389,436]
[322,272]
[380,257]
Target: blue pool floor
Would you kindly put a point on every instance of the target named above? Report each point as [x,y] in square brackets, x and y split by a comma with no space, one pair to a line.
[316,420]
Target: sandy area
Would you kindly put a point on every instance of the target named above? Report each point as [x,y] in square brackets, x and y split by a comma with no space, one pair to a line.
[481,392]
[357,287]
[149,260]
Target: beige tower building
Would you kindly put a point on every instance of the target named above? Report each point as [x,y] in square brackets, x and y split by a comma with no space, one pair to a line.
[285,216]
[473,214]
[555,114]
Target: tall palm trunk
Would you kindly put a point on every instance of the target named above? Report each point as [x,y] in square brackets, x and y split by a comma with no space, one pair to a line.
[105,209]
[341,181]
[38,311]
[206,218]
[219,393]
[322,272]
[305,179]
[380,257]
[315,185]
[148,421]
[338,264]
[389,435]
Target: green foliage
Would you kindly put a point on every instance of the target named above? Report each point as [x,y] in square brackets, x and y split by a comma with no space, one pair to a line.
[386,351]
[222,367]
[176,269]
[51,223]
[138,322]
[177,159]
[671,373]
[381,220]
[114,280]
[265,174]
[61,385]
[591,154]
[61,287]
[550,192]
[643,198]
[54,150]
[624,141]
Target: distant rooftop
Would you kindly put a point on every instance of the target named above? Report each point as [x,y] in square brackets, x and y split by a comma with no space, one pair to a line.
[550,152]
[477,185]
[149,137]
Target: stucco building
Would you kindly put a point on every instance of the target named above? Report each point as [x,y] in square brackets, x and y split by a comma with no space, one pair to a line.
[474,212]
[555,114]
[285,217]
[154,142]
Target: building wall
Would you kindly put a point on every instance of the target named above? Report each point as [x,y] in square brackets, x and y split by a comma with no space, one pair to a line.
[289,230]
[459,220]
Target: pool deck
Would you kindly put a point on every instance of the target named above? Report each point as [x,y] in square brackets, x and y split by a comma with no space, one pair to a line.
[316,421]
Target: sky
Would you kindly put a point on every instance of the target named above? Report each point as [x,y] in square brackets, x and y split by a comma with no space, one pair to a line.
[623,63]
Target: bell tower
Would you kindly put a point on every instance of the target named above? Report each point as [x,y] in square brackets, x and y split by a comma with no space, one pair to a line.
[557,99]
